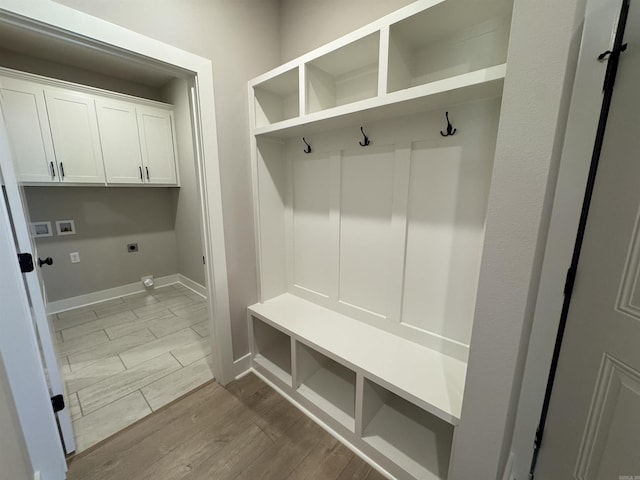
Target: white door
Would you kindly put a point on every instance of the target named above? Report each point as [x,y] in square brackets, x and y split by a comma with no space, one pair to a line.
[118,126]
[593,425]
[32,282]
[74,128]
[28,130]
[156,140]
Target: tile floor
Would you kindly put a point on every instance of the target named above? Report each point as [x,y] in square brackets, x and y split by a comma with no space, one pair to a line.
[124,358]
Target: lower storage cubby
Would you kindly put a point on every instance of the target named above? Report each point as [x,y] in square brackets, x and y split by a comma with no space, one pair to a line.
[416,441]
[272,350]
[327,384]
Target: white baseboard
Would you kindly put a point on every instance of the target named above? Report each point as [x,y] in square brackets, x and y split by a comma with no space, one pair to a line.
[36,475]
[193,285]
[121,291]
[242,366]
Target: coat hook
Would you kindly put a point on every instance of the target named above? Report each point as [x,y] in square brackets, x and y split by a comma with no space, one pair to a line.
[308,149]
[366,139]
[450,129]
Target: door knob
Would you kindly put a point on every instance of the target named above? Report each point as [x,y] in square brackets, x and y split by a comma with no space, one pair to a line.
[46,261]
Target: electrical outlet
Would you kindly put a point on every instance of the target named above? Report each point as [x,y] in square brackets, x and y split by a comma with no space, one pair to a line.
[75,257]
[132,247]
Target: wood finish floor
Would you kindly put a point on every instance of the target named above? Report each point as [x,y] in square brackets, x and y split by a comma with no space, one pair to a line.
[245,431]
[124,358]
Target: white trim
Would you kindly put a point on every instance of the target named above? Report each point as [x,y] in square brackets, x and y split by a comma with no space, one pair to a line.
[36,475]
[242,366]
[601,18]
[324,426]
[108,294]
[193,285]
[22,359]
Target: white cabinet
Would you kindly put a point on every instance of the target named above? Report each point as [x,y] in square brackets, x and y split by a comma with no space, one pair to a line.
[71,134]
[156,131]
[137,143]
[74,128]
[118,126]
[25,113]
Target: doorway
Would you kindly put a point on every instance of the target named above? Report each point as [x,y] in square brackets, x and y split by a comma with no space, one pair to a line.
[172,294]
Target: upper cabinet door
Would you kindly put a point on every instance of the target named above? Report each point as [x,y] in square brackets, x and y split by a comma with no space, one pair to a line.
[25,113]
[74,128]
[156,140]
[118,125]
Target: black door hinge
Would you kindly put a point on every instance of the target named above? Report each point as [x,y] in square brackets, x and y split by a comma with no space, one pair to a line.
[26,262]
[570,280]
[57,402]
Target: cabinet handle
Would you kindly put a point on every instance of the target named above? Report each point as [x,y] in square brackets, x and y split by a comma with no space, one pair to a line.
[140,168]
[147,169]
[62,169]
[53,170]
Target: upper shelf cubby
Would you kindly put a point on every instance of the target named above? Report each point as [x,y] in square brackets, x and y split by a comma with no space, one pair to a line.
[450,39]
[343,76]
[428,55]
[277,98]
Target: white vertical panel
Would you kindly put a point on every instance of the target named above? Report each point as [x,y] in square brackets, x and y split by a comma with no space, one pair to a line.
[366,234]
[272,197]
[447,205]
[334,219]
[402,167]
[311,225]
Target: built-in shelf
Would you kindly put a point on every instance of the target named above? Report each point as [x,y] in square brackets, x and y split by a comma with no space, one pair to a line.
[426,377]
[477,85]
[369,258]
[406,434]
[450,39]
[272,351]
[277,98]
[343,76]
[327,384]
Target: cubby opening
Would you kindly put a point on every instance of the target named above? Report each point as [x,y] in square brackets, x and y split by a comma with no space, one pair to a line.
[346,75]
[447,40]
[327,384]
[415,440]
[278,98]
[272,350]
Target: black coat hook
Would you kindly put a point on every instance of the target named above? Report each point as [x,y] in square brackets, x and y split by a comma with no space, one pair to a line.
[366,139]
[450,129]
[308,149]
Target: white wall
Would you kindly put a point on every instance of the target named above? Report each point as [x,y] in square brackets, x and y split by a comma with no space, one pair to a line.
[188,220]
[14,459]
[241,38]
[106,220]
[541,66]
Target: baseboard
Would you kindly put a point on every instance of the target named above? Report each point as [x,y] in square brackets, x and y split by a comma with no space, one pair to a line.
[193,285]
[242,366]
[110,293]
[36,475]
